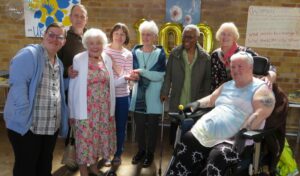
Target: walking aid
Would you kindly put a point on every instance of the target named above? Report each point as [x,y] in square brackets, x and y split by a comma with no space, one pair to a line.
[161,137]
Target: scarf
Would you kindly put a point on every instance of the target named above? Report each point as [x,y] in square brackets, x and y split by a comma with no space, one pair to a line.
[226,57]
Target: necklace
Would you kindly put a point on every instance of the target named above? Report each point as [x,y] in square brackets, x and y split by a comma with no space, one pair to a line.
[147,59]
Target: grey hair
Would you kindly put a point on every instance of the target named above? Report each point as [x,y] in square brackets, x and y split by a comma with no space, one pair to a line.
[149,26]
[191,27]
[231,27]
[244,56]
[92,33]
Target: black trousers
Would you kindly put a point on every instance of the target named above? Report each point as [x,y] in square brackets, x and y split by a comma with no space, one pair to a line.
[193,159]
[146,131]
[33,153]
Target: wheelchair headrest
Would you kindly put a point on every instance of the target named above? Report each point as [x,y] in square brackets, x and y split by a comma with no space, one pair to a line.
[261,65]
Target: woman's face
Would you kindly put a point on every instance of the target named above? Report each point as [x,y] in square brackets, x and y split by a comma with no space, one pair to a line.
[148,38]
[119,37]
[94,46]
[227,38]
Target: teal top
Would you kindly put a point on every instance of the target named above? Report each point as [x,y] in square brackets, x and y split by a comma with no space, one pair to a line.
[146,65]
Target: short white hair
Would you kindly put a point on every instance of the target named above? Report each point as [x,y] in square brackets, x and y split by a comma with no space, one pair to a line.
[149,26]
[92,33]
[244,56]
[191,27]
[231,27]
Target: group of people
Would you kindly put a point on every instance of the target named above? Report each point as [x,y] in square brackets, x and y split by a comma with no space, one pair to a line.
[96,78]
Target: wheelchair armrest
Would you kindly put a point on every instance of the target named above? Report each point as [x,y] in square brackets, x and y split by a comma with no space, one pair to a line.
[176,116]
[256,135]
[180,116]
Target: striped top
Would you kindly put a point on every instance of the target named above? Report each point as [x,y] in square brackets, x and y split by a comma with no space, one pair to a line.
[123,60]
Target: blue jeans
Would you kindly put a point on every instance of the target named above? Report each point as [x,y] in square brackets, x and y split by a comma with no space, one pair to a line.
[121,116]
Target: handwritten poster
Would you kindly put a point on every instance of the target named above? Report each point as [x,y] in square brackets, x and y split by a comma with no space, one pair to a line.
[41,13]
[273,27]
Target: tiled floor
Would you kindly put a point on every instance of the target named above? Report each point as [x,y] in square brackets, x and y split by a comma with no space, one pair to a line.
[126,169]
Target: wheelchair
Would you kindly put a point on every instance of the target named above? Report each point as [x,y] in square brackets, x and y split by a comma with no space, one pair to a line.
[262,157]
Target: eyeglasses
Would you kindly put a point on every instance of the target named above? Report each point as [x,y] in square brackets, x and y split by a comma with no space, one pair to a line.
[53,36]
[248,55]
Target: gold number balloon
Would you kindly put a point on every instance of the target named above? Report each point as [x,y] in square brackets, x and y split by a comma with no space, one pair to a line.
[207,37]
[170,36]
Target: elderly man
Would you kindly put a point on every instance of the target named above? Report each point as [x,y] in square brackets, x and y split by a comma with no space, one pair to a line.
[73,46]
[244,102]
[188,72]
[35,110]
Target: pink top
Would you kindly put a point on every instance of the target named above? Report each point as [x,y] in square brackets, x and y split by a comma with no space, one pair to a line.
[123,60]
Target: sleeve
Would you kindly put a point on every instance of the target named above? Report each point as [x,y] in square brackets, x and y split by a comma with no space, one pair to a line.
[72,89]
[21,73]
[128,65]
[168,77]
[207,77]
[215,72]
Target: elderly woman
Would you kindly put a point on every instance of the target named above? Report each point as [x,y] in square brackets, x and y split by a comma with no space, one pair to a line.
[92,102]
[149,62]
[122,68]
[227,35]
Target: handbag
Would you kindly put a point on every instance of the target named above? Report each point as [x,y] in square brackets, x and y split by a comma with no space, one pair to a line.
[69,156]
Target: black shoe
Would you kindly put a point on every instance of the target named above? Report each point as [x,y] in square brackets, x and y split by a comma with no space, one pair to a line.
[148,160]
[138,157]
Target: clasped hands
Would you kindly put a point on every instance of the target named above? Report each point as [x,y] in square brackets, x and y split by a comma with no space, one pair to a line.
[134,75]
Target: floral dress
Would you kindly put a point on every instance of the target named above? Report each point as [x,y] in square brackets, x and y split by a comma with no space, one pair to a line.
[96,135]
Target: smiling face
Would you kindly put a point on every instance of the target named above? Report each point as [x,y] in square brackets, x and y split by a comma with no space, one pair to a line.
[54,40]
[189,39]
[240,70]
[119,37]
[94,46]
[78,18]
[148,38]
[227,38]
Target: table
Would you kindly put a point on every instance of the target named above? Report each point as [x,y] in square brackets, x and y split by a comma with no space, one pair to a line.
[296,105]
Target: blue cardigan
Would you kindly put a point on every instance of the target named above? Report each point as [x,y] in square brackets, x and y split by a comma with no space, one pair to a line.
[146,91]
[25,74]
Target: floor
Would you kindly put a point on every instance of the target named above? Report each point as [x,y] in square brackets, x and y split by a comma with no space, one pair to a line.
[126,169]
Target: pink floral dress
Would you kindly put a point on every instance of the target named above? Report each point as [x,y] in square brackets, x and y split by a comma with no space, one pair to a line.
[96,135]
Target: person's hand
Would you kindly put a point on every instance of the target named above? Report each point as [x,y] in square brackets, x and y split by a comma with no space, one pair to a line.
[191,107]
[163,98]
[71,121]
[268,81]
[134,75]
[72,73]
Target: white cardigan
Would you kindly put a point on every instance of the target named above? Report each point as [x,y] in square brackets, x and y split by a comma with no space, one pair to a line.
[77,92]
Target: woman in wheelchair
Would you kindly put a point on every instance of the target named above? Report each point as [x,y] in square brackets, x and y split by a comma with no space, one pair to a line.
[244,102]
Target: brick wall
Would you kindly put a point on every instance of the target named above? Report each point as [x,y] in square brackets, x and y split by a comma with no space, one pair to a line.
[103,14]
